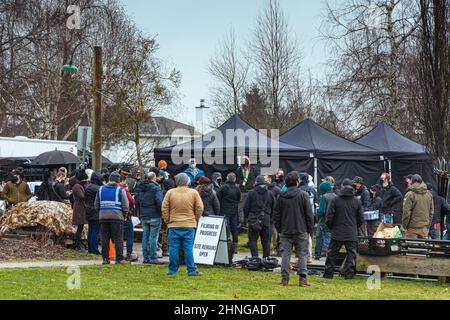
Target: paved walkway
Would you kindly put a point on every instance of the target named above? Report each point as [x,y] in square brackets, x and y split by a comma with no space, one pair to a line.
[137,249]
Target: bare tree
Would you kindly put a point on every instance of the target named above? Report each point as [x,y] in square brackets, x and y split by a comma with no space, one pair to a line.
[370,41]
[276,59]
[229,70]
[144,87]
[432,83]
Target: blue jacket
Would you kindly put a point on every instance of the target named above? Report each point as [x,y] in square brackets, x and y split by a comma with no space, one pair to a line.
[149,200]
[191,175]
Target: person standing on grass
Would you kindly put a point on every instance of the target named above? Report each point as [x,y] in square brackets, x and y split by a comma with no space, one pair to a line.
[128,227]
[344,217]
[363,195]
[293,218]
[391,199]
[92,214]
[258,209]
[441,209]
[181,209]
[79,209]
[323,236]
[229,196]
[112,203]
[275,188]
[149,201]
[418,210]
[245,180]
[193,172]
[375,205]
[206,191]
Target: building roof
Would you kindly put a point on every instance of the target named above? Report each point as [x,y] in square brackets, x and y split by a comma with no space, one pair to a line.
[162,126]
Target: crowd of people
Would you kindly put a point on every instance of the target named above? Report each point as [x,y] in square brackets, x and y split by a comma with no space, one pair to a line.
[283,212]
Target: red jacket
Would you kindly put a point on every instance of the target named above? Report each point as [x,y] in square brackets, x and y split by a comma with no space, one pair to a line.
[131,200]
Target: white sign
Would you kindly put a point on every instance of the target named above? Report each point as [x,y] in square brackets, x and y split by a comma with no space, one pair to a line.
[211,243]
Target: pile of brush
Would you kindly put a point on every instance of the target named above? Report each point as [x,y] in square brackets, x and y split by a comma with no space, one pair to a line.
[49,217]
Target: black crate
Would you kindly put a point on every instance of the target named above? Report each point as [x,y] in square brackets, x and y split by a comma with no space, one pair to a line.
[379,247]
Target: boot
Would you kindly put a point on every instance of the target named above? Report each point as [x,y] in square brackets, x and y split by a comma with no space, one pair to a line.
[284,282]
[303,282]
[235,248]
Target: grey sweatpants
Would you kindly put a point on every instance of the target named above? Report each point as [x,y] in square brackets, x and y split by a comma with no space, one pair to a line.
[300,241]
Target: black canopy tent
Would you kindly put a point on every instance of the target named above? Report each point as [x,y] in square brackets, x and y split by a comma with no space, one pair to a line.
[402,155]
[232,139]
[334,155]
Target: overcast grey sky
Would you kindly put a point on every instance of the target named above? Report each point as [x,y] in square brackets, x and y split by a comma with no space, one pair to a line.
[189,32]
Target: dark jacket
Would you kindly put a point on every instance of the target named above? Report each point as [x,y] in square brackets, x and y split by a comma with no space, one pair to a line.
[293,213]
[211,204]
[275,189]
[58,192]
[167,184]
[345,216]
[375,204]
[229,197]
[215,183]
[304,186]
[89,198]
[258,200]
[364,196]
[392,199]
[240,179]
[441,208]
[79,210]
[149,200]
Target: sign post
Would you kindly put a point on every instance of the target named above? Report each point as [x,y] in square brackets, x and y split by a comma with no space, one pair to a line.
[211,241]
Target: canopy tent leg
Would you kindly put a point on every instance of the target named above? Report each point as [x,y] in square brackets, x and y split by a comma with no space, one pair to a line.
[316,175]
[390,167]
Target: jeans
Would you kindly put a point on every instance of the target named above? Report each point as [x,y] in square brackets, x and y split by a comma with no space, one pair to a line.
[233,222]
[93,233]
[184,237]
[265,241]
[350,257]
[78,237]
[112,231]
[434,234]
[150,235]
[323,237]
[300,241]
[128,231]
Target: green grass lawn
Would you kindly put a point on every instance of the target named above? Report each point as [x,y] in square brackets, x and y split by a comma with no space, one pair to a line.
[151,282]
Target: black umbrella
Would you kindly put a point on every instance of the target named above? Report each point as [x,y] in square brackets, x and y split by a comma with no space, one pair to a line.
[56,158]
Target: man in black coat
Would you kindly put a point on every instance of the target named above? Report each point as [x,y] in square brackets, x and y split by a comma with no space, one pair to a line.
[363,195]
[229,196]
[258,209]
[441,209]
[92,215]
[392,199]
[294,220]
[344,217]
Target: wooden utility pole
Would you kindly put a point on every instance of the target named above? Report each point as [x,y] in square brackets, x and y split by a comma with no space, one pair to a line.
[97,127]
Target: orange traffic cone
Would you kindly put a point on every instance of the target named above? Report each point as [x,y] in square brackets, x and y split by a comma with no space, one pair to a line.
[112,252]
